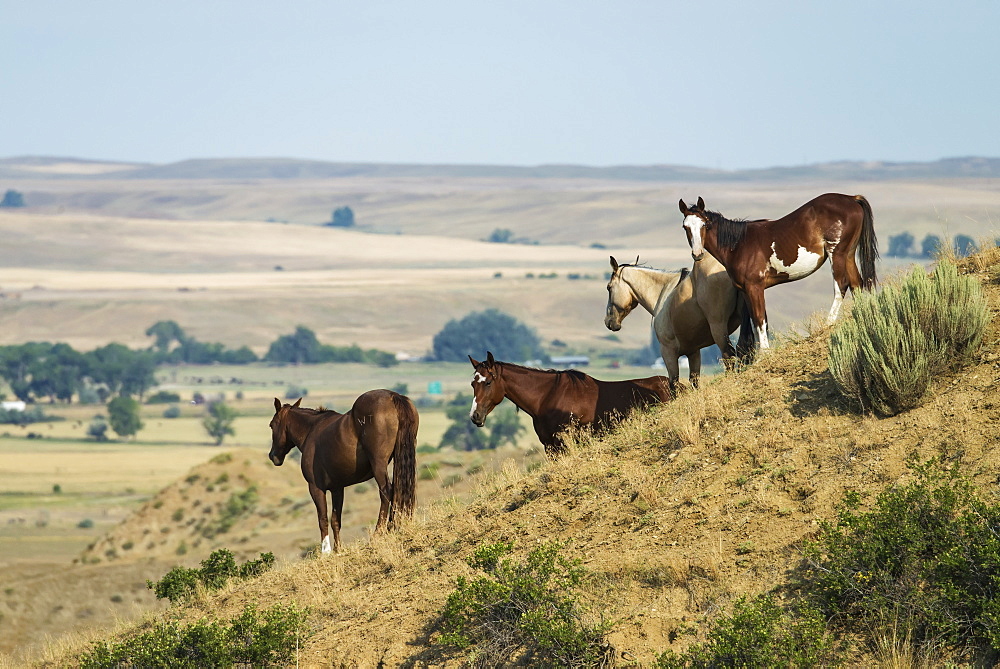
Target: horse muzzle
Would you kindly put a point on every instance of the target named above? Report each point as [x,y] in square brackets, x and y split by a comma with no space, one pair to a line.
[612,323]
[697,256]
[276,459]
[478,420]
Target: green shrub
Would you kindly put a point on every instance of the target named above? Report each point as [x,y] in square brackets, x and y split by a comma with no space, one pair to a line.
[528,611]
[759,633]
[898,340]
[925,561]
[267,639]
[180,582]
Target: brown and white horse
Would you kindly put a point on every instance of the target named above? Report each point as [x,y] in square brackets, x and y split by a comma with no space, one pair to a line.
[690,309]
[765,253]
[556,399]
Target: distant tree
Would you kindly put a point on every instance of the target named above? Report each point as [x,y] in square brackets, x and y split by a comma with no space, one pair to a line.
[462,434]
[901,245]
[930,246]
[98,430]
[166,333]
[12,198]
[965,245]
[123,416]
[482,331]
[343,217]
[505,425]
[299,347]
[219,421]
[500,236]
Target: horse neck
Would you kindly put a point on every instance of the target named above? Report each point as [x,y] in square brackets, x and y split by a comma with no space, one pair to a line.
[526,388]
[300,422]
[650,285]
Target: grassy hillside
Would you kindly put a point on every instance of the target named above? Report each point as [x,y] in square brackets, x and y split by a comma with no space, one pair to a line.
[674,515]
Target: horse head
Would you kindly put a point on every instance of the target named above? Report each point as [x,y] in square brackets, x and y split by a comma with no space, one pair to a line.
[696,223]
[487,388]
[621,298]
[280,441]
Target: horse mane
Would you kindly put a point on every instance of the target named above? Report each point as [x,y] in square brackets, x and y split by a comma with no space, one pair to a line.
[730,232]
[575,373]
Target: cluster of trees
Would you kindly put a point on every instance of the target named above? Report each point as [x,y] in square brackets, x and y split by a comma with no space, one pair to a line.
[489,330]
[56,372]
[904,245]
[502,427]
[12,198]
[343,217]
[39,371]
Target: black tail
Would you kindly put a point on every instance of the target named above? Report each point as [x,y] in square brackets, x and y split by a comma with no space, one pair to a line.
[868,249]
[746,345]
[404,458]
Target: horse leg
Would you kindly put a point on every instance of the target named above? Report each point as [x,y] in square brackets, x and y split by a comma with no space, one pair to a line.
[694,367]
[322,515]
[721,339]
[385,494]
[338,510]
[845,275]
[758,314]
[669,355]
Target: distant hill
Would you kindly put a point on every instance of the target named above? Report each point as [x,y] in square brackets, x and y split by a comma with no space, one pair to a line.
[35,167]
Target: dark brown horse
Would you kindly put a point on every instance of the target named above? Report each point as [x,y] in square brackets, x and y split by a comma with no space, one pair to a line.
[765,253]
[339,450]
[557,399]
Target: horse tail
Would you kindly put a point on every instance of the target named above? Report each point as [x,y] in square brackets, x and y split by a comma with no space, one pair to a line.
[868,249]
[404,456]
[746,345]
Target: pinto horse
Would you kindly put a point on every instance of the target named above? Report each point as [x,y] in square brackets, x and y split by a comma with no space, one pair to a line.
[339,450]
[690,309]
[557,399]
[765,253]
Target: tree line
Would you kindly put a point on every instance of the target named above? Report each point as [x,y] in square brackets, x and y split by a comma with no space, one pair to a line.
[38,371]
[904,245]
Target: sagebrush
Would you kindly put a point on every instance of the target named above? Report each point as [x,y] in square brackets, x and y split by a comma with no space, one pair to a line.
[898,340]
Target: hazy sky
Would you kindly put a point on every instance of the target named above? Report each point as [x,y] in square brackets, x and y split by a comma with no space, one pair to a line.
[713,84]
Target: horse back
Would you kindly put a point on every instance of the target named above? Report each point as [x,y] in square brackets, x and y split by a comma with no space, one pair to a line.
[620,397]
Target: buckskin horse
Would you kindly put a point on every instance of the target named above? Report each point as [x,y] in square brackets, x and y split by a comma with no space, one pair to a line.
[764,253]
[340,450]
[691,310]
[556,400]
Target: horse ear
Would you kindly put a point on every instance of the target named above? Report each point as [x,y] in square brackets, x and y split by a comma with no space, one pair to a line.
[701,204]
[277,404]
[614,264]
[473,361]
[297,402]
[489,358]
[683,207]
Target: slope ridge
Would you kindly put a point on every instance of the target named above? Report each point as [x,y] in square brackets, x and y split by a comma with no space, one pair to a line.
[675,514]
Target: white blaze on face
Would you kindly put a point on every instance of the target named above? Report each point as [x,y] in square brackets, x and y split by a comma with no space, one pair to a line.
[805,263]
[478,378]
[472,411]
[326,545]
[695,224]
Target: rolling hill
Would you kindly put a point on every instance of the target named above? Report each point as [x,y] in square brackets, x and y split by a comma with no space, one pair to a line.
[675,515]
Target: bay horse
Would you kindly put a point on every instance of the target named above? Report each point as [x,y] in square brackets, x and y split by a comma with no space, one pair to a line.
[340,450]
[691,310]
[556,400]
[764,253]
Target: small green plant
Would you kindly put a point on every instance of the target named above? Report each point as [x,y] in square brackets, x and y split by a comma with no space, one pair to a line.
[181,582]
[924,560]
[759,633]
[523,610]
[266,639]
[898,340]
